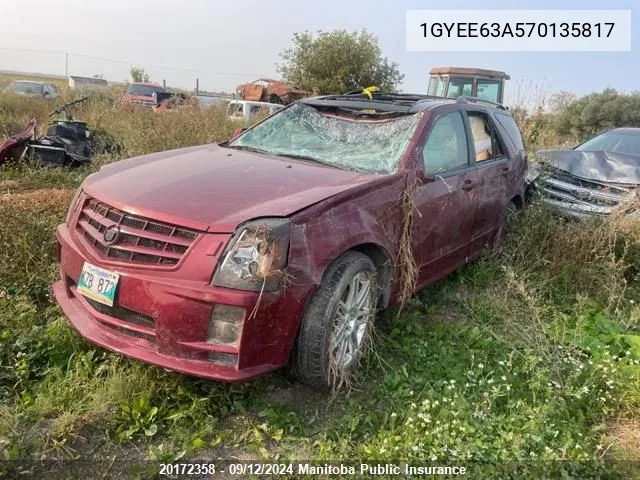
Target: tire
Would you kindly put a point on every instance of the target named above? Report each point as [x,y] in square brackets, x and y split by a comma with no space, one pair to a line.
[503,229]
[317,358]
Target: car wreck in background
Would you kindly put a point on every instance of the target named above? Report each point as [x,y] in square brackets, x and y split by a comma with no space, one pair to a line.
[67,142]
[598,177]
[272,91]
[142,95]
[29,88]
[242,110]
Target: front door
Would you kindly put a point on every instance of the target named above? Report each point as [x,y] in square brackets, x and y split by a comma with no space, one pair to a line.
[445,204]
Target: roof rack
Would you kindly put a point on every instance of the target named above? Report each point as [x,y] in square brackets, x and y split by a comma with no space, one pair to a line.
[468,99]
[386,96]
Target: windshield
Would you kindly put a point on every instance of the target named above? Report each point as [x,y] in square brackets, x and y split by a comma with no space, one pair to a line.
[301,130]
[144,90]
[613,142]
[27,87]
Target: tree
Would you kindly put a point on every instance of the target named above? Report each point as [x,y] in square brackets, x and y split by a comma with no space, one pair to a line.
[138,74]
[561,100]
[595,112]
[338,62]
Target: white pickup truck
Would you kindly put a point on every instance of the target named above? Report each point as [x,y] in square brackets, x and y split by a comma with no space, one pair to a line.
[246,110]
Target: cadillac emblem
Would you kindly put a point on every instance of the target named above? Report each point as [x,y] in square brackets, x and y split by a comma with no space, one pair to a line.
[111,234]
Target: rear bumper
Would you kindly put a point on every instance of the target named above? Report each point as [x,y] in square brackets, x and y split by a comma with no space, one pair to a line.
[160,317]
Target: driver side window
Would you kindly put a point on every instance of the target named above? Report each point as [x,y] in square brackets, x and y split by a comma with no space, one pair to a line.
[446,146]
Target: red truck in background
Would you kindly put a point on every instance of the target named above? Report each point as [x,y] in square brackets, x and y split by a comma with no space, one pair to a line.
[142,95]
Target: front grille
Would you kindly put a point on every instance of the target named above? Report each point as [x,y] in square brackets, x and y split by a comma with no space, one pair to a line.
[140,240]
[122,313]
[142,103]
[581,196]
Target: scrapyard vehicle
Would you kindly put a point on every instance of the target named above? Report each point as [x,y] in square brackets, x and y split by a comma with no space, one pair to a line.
[67,142]
[30,88]
[277,247]
[595,178]
[454,82]
[271,91]
[142,95]
[172,101]
[242,110]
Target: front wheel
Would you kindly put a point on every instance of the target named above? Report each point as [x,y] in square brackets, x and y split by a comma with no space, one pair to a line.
[338,323]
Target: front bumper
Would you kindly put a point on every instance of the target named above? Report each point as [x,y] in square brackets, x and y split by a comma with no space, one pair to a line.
[577,198]
[162,317]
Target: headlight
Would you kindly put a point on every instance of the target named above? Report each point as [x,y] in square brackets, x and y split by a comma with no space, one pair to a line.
[73,205]
[256,257]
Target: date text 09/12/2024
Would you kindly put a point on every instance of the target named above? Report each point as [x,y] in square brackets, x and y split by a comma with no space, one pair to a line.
[243,469]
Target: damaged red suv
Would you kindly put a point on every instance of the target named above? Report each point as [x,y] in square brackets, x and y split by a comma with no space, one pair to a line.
[276,248]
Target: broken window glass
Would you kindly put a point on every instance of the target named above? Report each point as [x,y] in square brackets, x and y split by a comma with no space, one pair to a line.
[374,146]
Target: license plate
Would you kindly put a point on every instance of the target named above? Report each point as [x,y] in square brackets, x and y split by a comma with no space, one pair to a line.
[98,284]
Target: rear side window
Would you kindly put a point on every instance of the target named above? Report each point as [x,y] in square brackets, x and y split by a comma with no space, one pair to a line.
[485,141]
[509,124]
[446,147]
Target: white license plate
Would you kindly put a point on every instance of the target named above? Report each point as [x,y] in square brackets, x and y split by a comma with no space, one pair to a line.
[98,284]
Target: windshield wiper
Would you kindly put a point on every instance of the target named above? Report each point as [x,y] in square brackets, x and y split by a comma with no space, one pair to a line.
[249,149]
[286,155]
[309,159]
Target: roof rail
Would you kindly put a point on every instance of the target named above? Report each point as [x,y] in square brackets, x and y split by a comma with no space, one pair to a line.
[468,99]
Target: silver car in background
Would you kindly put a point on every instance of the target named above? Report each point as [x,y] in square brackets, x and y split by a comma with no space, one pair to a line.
[595,178]
[29,88]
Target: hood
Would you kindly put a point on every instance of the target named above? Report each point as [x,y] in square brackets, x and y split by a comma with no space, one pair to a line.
[603,166]
[216,189]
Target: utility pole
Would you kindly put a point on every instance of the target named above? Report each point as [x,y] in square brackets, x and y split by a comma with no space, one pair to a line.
[197,86]
[66,65]
[164,84]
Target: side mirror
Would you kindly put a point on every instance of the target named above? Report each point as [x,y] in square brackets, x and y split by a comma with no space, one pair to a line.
[237,132]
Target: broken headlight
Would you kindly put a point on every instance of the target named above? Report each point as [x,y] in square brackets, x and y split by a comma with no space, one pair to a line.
[256,257]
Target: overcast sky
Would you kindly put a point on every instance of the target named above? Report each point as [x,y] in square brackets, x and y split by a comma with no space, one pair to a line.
[226,42]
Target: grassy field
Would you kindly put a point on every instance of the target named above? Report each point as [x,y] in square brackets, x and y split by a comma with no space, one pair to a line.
[523,364]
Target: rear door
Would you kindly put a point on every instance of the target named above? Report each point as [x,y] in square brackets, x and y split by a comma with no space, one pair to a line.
[445,203]
[492,170]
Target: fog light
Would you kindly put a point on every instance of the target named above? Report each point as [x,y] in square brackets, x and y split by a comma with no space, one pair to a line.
[225,324]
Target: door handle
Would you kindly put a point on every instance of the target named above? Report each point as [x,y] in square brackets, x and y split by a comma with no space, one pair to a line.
[468,185]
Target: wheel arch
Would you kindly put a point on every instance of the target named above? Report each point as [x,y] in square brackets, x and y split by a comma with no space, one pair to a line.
[384,268]
[518,201]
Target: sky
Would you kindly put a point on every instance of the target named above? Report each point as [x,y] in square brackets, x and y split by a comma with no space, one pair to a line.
[224,42]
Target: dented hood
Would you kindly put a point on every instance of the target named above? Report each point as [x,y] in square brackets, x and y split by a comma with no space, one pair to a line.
[214,188]
[601,166]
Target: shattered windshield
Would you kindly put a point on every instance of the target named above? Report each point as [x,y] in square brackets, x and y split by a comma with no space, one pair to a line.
[302,131]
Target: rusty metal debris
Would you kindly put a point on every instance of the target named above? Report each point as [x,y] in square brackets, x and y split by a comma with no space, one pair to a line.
[272,91]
